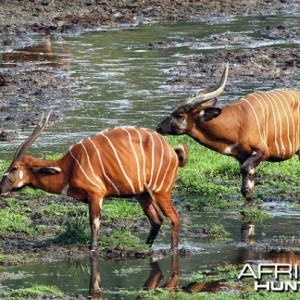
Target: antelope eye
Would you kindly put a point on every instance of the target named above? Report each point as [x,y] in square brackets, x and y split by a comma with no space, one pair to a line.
[14,169]
[177,115]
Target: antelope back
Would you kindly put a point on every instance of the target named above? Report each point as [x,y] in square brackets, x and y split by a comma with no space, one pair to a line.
[275,116]
[126,161]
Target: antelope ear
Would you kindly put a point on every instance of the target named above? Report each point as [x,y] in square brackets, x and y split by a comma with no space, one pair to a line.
[202,105]
[209,113]
[47,170]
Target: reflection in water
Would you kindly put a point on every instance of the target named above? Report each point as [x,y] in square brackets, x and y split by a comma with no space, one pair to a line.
[41,53]
[95,280]
[154,279]
[156,274]
[248,232]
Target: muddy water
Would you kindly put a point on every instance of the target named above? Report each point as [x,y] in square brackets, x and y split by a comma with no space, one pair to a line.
[123,82]
[75,277]
[122,74]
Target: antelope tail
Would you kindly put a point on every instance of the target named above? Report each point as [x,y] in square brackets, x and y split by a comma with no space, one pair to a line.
[182,152]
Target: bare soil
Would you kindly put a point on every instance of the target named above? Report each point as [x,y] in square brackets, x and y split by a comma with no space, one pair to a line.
[21,85]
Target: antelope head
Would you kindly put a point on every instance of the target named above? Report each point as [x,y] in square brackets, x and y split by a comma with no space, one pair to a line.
[18,173]
[200,107]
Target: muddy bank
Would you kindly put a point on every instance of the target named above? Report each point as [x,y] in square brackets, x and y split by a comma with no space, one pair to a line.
[253,69]
[48,16]
[39,80]
[45,228]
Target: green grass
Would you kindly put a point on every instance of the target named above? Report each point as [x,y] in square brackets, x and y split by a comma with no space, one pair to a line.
[120,208]
[214,180]
[122,239]
[34,292]
[163,294]
[14,221]
[217,232]
[255,214]
[76,230]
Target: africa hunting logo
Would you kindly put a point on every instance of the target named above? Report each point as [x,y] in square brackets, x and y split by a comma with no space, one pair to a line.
[273,277]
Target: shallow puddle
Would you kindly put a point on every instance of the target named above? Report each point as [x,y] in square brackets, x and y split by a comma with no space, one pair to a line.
[115,277]
[123,74]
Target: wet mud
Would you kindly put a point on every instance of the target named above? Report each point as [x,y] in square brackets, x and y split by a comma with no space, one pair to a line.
[39,82]
[262,68]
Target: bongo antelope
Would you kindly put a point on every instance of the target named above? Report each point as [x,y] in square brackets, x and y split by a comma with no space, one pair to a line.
[121,162]
[263,126]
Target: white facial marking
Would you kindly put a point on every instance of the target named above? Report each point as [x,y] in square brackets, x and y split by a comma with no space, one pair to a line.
[21,174]
[65,190]
[183,125]
[228,149]
[201,114]
[20,184]
[6,174]
[58,169]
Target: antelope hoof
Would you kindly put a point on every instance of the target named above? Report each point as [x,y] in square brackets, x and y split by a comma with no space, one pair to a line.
[149,242]
[250,202]
[93,249]
[174,250]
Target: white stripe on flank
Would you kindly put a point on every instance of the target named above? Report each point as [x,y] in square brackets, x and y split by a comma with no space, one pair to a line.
[91,168]
[102,167]
[287,105]
[161,160]
[152,157]
[119,162]
[275,123]
[294,113]
[168,167]
[136,159]
[280,122]
[267,117]
[173,175]
[257,121]
[298,123]
[292,120]
[278,135]
[256,95]
[143,154]
[82,170]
